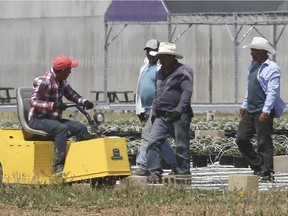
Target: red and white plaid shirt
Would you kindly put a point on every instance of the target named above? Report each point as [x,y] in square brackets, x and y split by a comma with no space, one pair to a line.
[46,91]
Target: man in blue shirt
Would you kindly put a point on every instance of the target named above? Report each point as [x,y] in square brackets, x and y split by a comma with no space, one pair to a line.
[144,97]
[261,104]
[172,112]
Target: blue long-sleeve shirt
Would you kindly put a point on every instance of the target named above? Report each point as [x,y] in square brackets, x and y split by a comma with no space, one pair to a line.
[268,77]
[174,90]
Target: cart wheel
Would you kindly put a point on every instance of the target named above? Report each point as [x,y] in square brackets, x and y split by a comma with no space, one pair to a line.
[96,183]
[1,174]
[99,183]
[110,181]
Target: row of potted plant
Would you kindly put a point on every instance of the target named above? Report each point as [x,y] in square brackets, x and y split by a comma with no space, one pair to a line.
[223,124]
[208,145]
[223,150]
[211,147]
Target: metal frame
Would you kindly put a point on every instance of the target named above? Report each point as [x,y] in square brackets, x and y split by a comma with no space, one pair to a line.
[131,107]
[273,18]
[235,19]
[263,18]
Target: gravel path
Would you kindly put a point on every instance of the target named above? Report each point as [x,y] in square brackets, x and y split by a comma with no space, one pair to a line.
[215,177]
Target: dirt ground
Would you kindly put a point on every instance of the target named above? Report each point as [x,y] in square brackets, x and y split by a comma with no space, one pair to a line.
[65,211]
[140,210]
[172,210]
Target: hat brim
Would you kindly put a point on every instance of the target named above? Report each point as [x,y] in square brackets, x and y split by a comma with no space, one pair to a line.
[269,49]
[74,64]
[177,55]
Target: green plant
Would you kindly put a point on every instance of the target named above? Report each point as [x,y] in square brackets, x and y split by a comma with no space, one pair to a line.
[125,200]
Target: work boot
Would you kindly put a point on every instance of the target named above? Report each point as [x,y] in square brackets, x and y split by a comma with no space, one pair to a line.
[265,176]
[153,178]
[174,171]
[141,171]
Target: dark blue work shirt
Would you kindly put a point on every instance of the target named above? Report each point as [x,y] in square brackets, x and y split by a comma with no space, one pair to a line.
[174,89]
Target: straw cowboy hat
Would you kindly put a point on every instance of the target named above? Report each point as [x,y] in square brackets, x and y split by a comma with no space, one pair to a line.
[168,49]
[261,44]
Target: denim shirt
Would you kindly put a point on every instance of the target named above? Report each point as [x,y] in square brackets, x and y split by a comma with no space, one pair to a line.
[269,79]
[174,90]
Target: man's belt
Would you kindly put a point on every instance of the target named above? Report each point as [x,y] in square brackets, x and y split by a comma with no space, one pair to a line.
[163,113]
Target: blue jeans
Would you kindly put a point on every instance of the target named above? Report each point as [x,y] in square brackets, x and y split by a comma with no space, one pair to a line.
[160,131]
[60,129]
[167,152]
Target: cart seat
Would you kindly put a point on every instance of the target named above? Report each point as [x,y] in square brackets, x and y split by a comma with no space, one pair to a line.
[23,96]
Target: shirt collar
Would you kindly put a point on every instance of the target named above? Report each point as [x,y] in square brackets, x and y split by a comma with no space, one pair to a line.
[267,62]
[175,66]
[52,71]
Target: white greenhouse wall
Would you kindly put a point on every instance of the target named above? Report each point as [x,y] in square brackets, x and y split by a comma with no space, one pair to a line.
[33,33]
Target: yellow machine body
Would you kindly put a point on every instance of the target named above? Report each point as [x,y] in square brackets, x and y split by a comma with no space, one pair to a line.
[31,162]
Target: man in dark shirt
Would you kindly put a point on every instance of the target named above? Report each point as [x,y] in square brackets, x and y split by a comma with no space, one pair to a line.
[144,99]
[172,112]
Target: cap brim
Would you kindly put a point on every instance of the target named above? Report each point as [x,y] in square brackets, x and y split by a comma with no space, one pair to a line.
[155,48]
[74,64]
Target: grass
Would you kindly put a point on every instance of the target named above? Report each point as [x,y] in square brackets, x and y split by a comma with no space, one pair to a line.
[125,199]
[116,115]
[120,115]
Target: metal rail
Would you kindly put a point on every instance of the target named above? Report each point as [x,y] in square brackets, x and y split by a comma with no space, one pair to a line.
[131,107]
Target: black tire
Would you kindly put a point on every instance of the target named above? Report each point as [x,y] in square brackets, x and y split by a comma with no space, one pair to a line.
[96,183]
[100,183]
[70,184]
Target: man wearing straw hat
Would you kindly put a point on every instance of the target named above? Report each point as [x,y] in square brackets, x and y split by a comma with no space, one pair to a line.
[261,104]
[171,112]
[144,99]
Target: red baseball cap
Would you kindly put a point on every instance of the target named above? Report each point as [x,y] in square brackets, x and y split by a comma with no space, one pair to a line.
[62,62]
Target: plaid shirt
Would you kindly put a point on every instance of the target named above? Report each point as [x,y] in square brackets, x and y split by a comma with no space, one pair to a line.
[46,91]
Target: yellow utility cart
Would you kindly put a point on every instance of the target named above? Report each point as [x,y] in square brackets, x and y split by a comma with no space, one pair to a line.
[27,155]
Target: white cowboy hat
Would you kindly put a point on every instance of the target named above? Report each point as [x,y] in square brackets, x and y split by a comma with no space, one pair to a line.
[168,49]
[261,44]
